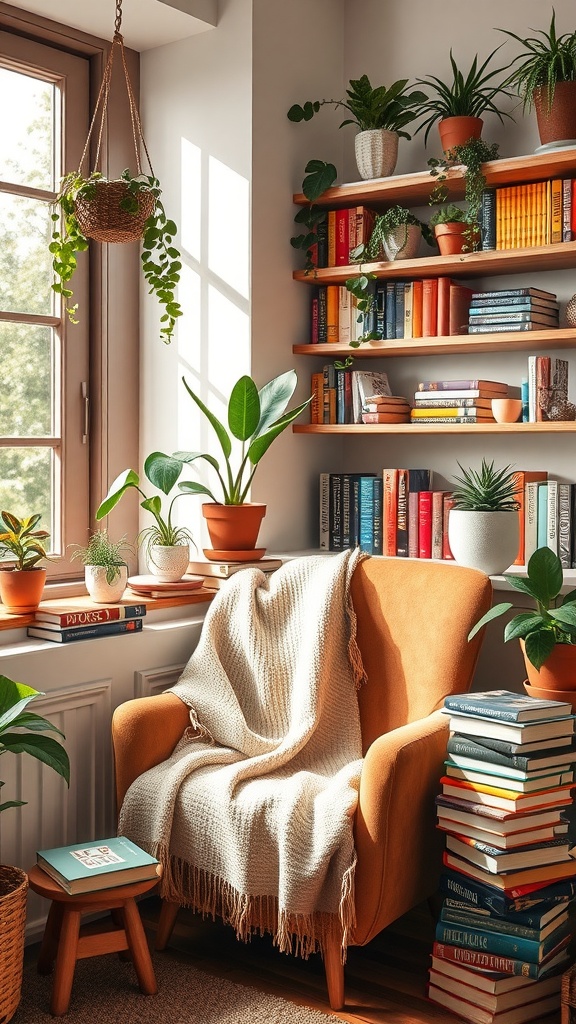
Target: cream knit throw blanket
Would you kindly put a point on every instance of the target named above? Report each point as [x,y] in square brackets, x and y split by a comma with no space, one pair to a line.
[252,814]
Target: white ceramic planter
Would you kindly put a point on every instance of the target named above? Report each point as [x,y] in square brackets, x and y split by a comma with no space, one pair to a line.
[403,243]
[484,540]
[376,153]
[98,587]
[168,563]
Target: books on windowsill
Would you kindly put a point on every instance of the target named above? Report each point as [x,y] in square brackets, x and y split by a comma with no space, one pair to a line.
[67,615]
[64,635]
[99,864]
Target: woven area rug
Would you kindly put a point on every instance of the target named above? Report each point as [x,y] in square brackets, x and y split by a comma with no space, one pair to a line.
[105,991]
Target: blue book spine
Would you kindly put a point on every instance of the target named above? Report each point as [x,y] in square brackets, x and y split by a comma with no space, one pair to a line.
[380,300]
[487,897]
[497,942]
[72,633]
[542,521]
[378,489]
[366,498]
[390,316]
[399,310]
[504,926]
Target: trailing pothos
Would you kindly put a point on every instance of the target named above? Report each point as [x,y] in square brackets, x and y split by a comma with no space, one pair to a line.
[161,260]
[319,176]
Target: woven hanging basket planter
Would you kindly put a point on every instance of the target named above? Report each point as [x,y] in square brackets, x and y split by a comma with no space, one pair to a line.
[102,218]
[13,889]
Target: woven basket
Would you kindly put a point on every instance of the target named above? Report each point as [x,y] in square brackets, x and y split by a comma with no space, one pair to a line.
[102,218]
[13,888]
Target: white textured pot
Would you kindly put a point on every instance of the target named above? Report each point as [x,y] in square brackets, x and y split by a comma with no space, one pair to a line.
[403,242]
[168,563]
[98,587]
[376,153]
[484,540]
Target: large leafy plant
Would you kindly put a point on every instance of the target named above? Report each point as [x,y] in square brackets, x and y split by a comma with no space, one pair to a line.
[255,419]
[468,94]
[20,729]
[161,260]
[486,490]
[378,107]
[548,625]
[547,58]
[163,472]
[20,539]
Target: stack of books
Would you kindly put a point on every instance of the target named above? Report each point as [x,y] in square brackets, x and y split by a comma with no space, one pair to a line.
[509,876]
[458,401]
[513,309]
[383,409]
[99,864]
[62,624]
[215,575]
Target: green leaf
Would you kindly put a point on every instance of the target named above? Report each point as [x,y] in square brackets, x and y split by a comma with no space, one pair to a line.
[319,177]
[243,409]
[492,613]
[274,398]
[539,646]
[261,444]
[43,748]
[522,624]
[220,430]
[545,574]
[128,478]
[13,698]
[162,471]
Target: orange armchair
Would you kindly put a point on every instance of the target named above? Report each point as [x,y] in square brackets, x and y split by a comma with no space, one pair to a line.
[413,621]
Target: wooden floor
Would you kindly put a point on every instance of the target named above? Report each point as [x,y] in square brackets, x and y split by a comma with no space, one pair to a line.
[385,981]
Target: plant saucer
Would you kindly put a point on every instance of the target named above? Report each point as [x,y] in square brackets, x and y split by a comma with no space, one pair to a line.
[221,555]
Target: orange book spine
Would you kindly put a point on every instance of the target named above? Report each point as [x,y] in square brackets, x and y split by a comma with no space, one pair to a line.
[332,307]
[443,307]
[447,504]
[521,478]
[417,310]
[429,307]
[390,510]
[513,219]
[499,218]
[317,403]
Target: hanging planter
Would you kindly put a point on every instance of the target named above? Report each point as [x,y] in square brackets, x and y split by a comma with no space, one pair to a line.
[124,209]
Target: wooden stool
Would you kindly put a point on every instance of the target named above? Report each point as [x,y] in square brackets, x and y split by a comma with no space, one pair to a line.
[66,942]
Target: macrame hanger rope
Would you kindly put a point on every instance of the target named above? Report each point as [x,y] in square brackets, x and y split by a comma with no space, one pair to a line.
[102,102]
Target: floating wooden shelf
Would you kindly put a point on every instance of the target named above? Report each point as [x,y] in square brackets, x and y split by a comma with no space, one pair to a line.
[460,344]
[555,427]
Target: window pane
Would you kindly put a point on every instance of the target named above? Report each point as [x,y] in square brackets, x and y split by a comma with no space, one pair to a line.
[26,127]
[26,476]
[26,386]
[25,262]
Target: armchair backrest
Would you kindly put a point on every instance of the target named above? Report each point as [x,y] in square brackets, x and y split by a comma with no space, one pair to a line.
[414,617]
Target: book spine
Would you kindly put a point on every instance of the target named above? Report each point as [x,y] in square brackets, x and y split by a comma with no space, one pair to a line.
[417,310]
[567,210]
[314,320]
[542,384]
[429,307]
[399,309]
[335,512]
[552,516]
[437,523]
[469,920]
[542,516]
[390,479]
[459,385]
[331,238]
[443,307]
[532,389]
[390,315]
[366,531]
[322,314]
[564,524]
[556,189]
[378,529]
[89,617]
[332,305]
[413,546]
[501,943]
[488,219]
[87,632]
[408,308]
[448,503]
[467,748]
[341,254]
[347,496]
[322,242]
[484,961]
[402,514]
[501,328]
[425,524]
[452,419]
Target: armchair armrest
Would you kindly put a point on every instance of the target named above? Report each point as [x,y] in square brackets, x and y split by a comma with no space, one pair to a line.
[144,733]
[398,846]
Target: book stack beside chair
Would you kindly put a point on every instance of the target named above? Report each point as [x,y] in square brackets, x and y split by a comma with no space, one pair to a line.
[509,877]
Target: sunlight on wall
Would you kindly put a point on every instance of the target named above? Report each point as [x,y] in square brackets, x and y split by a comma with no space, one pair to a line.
[214,333]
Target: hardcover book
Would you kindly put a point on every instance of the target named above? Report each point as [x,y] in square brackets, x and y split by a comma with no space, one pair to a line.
[501,943]
[544,873]
[486,961]
[486,896]
[100,864]
[65,615]
[506,799]
[519,1014]
[498,777]
[500,862]
[226,569]
[519,732]
[73,633]
[464,750]
[515,990]
[506,706]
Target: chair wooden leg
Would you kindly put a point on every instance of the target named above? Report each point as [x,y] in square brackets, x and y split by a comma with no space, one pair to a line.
[334,969]
[166,922]
[139,948]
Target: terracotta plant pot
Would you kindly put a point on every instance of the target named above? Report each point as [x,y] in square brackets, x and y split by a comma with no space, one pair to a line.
[558,671]
[565,695]
[13,889]
[451,238]
[21,590]
[455,131]
[557,124]
[233,527]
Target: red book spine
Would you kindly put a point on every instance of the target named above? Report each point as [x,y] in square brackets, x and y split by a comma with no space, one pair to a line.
[342,254]
[443,307]
[425,524]
[573,209]
[314,321]
[390,481]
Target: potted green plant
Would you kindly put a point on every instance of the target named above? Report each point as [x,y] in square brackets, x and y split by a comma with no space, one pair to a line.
[166,545]
[450,223]
[545,78]
[483,524]
[21,732]
[21,578]
[380,114]
[396,235]
[458,106]
[119,210]
[105,567]
[319,176]
[472,154]
[547,634]
[256,416]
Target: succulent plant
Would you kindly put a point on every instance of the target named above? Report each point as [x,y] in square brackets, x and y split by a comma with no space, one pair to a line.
[486,490]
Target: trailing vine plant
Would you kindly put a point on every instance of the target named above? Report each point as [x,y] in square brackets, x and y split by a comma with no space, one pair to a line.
[319,176]
[161,260]
[472,154]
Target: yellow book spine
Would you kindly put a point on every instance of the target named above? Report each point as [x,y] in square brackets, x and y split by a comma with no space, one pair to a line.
[513,218]
[531,218]
[547,220]
[556,210]
[522,215]
[499,206]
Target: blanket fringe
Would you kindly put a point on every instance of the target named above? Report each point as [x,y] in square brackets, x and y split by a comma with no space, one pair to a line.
[298,934]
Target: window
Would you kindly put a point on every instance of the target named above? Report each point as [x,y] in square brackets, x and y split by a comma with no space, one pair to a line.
[44,450]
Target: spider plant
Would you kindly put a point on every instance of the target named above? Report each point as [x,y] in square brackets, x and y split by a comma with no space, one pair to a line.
[469,94]
[547,58]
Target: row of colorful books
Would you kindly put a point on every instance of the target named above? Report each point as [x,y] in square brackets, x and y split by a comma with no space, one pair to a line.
[500,311]
[341,395]
[523,216]
[458,401]
[509,877]
[339,232]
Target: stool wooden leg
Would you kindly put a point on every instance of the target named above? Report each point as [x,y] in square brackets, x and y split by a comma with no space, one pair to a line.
[139,949]
[49,947]
[166,922]
[65,962]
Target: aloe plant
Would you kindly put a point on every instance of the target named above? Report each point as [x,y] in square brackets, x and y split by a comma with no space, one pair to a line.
[542,629]
[14,699]
[486,490]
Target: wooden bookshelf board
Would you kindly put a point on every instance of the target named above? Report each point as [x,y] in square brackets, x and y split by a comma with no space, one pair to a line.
[513,341]
[551,427]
